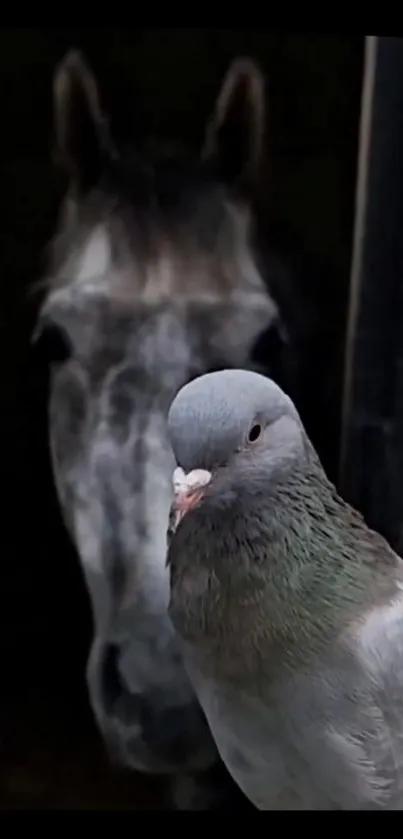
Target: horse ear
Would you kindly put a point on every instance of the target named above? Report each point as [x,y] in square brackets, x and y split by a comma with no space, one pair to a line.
[81,131]
[234,136]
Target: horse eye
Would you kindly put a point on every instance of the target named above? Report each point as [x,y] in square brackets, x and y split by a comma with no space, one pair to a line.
[270,353]
[53,345]
[254,433]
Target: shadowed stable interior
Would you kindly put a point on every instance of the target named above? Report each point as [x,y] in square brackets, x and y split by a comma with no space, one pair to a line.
[50,753]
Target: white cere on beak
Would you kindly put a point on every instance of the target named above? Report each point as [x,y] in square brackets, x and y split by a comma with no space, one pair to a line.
[190,482]
[188,491]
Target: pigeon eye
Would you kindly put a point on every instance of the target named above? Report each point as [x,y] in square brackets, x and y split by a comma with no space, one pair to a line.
[254,433]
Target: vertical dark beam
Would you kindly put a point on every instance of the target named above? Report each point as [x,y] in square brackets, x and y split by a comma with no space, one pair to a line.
[371,471]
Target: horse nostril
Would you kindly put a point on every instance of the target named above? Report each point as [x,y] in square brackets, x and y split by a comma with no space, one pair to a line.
[270,353]
[119,702]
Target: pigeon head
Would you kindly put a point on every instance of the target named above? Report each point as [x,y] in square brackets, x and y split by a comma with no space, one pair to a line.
[229,428]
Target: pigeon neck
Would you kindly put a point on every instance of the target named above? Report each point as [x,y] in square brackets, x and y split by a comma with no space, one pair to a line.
[290,573]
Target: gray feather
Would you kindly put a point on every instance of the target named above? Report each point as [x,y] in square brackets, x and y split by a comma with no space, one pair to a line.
[290,609]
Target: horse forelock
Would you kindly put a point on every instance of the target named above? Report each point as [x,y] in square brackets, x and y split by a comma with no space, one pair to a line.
[172,233]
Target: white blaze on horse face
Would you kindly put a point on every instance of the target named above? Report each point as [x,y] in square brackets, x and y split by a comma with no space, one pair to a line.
[188,491]
[95,258]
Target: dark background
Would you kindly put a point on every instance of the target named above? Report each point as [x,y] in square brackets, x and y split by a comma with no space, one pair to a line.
[161,82]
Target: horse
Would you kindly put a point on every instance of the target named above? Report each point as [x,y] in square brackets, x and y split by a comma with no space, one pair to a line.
[153,278]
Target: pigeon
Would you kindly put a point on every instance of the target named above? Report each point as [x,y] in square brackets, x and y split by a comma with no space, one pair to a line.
[289,609]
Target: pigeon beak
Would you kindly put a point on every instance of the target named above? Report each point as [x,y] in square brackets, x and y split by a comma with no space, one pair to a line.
[189,490]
